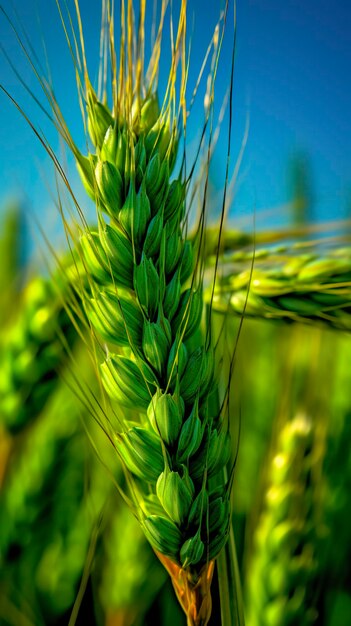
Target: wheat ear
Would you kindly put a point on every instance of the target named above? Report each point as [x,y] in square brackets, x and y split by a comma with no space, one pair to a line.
[306,287]
[33,353]
[144,303]
[284,560]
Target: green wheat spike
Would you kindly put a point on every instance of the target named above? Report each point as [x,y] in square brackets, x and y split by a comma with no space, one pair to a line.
[143,298]
[156,372]
[32,354]
[282,569]
[310,287]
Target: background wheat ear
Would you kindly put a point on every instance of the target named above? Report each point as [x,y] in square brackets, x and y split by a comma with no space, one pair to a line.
[284,563]
[308,281]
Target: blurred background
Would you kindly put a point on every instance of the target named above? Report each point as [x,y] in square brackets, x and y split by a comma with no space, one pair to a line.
[70,552]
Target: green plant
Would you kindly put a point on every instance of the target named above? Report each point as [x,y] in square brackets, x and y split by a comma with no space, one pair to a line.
[142,295]
[145,291]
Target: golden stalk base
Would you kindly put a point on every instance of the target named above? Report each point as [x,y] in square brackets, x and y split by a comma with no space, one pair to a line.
[194,596]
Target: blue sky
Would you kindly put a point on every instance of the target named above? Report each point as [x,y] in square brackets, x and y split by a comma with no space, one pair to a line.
[293,62]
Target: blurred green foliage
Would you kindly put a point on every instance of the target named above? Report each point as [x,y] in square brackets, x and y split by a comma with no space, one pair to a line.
[71,551]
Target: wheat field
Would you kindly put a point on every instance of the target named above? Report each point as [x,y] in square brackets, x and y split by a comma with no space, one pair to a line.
[174,389]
